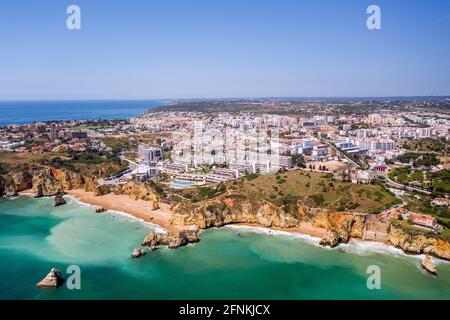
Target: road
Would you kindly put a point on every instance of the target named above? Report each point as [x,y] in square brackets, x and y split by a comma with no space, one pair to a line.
[401,186]
[341,153]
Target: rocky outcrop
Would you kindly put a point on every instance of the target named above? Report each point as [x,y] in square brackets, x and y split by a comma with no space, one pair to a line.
[45,181]
[59,200]
[69,180]
[151,240]
[340,224]
[418,243]
[90,183]
[100,210]
[171,239]
[52,281]
[331,239]
[137,253]
[428,265]
[15,182]
[9,191]
[140,191]
[234,209]
[269,215]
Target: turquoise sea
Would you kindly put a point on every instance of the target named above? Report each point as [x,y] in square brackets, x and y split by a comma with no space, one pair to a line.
[228,263]
[24,112]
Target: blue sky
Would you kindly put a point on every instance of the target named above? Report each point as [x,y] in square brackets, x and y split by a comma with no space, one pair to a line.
[147,49]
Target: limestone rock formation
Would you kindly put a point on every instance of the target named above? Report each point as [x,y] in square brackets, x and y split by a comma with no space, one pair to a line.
[171,239]
[140,191]
[69,180]
[418,243]
[331,239]
[428,265]
[15,182]
[137,253]
[151,241]
[339,223]
[45,184]
[59,200]
[234,209]
[270,215]
[52,280]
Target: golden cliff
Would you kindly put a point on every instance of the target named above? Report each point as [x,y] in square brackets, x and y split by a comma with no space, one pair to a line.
[49,182]
[340,227]
[418,243]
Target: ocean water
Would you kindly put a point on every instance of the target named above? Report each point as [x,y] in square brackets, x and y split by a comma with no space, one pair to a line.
[24,112]
[228,263]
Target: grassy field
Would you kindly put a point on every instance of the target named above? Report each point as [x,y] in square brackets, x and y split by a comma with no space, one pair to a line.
[315,190]
[320,190]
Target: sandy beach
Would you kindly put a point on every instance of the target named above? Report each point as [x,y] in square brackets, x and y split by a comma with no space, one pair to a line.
[137,208]
[142,210]
[305,228]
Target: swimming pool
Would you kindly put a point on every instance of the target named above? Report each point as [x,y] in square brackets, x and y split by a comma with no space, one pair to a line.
[179,184]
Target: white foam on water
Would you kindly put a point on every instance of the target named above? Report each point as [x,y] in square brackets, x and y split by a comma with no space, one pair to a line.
[155,227]
[354,246]
[308,238]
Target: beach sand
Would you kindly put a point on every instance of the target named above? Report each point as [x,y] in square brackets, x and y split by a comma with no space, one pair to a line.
[142,210]
[137,208]
[305,228]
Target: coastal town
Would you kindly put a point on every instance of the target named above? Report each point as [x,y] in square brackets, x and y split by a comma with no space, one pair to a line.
[198,151]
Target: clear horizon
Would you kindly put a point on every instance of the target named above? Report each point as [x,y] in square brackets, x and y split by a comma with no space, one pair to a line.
[175,50]
[228,98]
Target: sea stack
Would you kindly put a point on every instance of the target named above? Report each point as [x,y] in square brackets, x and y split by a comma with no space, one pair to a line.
[331,239]
[428,265]
[52,280]
[59,200]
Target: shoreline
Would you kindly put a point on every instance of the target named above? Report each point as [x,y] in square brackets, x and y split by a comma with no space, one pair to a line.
[158,220]
[354,246]
[155,227]
[123,204]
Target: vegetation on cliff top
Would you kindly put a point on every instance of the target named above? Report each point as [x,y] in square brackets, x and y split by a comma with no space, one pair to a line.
[86,163]
[313,189]
[436,182]
[427,145]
